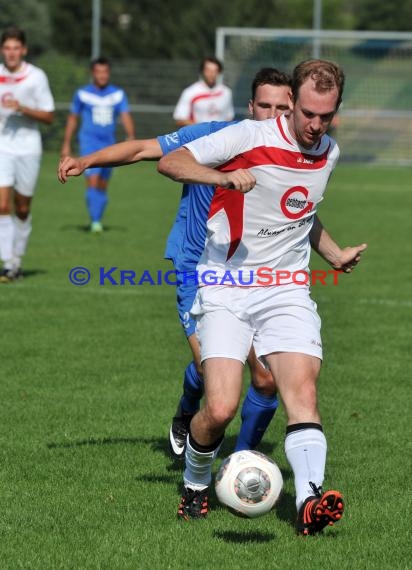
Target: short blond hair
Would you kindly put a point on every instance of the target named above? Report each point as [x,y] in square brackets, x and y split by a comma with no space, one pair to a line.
[326,75]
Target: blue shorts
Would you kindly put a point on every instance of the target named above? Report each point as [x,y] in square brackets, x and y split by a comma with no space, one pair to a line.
[103,171]
[186,290]
[88,146]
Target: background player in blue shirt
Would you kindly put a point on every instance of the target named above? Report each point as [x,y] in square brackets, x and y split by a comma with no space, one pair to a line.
[99,105]
[185,244]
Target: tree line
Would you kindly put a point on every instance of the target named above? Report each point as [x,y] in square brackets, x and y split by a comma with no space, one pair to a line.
[177,29]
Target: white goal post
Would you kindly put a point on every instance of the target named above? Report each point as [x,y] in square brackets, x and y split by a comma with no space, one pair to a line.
[376,115]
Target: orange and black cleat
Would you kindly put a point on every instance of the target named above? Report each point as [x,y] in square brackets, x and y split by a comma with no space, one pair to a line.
[319,511]
[193,504]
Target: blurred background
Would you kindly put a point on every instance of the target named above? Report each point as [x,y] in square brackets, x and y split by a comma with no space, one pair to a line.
[156,45]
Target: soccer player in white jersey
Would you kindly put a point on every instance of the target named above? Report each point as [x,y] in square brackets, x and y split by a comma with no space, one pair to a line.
[99,105]
[207,99]
[281,168]
[25,100]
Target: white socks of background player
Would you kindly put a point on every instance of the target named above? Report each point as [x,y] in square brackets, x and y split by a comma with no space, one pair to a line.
[198,463]
[14,235]
[6,241]
[305,447]
[22,231]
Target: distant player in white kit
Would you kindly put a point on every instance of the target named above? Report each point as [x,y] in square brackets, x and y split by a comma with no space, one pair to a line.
[207,99]
[25,100]
[286,163]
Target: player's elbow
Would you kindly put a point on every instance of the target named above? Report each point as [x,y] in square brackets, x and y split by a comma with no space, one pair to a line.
[166,167]
[48,118]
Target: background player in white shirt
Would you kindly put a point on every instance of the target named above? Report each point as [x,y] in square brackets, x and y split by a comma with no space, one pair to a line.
[25,100]
[206,100]
[289,158]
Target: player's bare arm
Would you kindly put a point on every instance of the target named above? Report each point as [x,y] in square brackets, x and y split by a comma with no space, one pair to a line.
[342,259]
[183,123]
[119,154]
[71,126]
[181,166]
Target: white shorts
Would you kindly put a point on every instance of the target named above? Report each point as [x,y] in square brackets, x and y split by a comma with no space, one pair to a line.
[273,319]
[19,172]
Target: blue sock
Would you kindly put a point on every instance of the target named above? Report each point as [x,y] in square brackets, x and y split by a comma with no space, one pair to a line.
[192,390]
[96,201]
[257,412]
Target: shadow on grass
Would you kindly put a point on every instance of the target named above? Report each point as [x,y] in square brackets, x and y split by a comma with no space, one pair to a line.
[286,508]
[28,273]
[243,537]
[86,229]
[156,443]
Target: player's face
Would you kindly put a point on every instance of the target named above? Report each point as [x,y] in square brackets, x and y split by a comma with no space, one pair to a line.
[13,52]
[210,73]
[312,114]
[270,101]
[101,75]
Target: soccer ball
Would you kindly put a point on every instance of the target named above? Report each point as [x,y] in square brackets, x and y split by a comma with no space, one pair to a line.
[249,483]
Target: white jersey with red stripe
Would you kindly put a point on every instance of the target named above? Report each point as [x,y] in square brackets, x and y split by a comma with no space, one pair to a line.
[269,226]
[200,103]
[19,135]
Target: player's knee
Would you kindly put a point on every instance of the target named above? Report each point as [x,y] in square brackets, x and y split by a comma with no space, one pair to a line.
[220,414]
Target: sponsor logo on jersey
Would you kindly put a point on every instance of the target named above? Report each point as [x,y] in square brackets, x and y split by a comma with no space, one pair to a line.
[295,199]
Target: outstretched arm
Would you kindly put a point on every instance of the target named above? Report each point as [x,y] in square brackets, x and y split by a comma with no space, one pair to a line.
[341,259]
[119,154]
[181,165]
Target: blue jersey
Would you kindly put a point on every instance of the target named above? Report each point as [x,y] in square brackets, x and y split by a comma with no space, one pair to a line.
[187,237]
[98,110]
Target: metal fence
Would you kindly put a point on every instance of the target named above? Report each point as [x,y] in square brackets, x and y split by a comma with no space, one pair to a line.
[376,117]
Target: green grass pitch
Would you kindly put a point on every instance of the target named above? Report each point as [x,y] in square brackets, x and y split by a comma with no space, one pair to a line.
[90,377]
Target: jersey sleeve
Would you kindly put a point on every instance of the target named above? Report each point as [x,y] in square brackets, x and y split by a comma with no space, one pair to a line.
[230,110]
[43,94]
[179,138]
[76,105]
[182,110]
[124,104]
[219,147]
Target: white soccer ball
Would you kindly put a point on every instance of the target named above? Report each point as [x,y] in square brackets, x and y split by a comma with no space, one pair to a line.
[249,483]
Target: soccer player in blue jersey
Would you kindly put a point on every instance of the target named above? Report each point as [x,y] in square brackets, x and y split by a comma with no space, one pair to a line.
[99,105]
[185,243]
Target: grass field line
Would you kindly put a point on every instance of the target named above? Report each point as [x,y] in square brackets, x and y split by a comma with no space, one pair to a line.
[148,290]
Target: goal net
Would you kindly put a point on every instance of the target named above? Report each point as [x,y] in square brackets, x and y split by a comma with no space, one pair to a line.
[376,115]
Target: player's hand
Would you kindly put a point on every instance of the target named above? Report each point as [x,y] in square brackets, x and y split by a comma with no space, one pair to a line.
[349,258]
[11,103]
[238,180]
[69,166]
